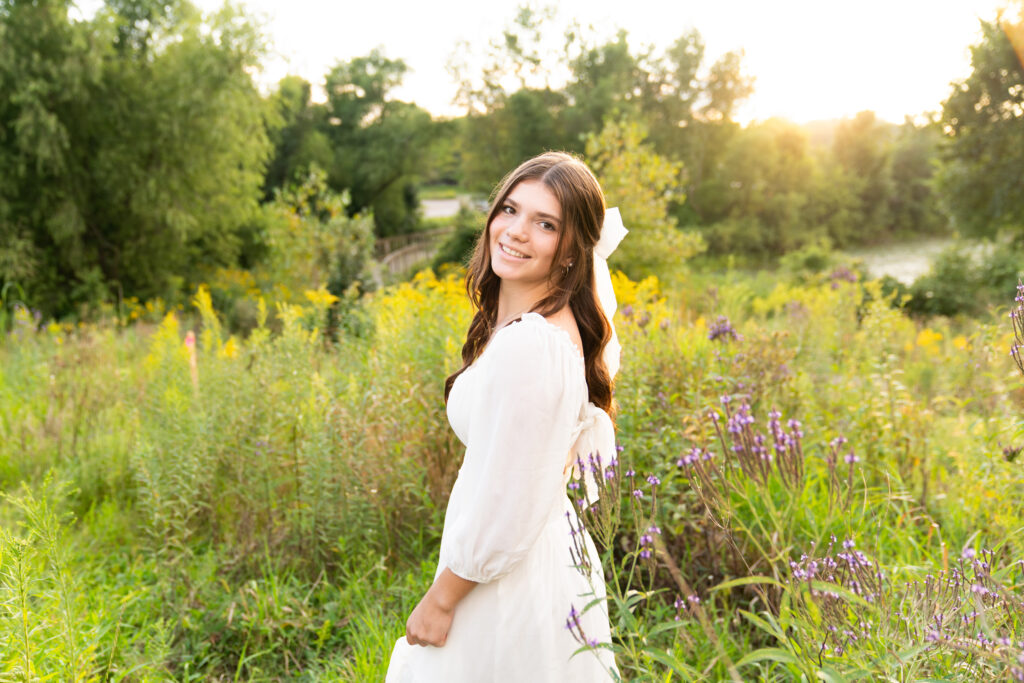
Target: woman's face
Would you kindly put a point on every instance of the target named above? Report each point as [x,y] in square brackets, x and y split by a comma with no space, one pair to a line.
[524,235]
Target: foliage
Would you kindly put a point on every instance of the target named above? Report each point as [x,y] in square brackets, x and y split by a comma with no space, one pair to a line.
[469,225]
[277,513]
[861,150]
[913,201]
[982,120]
[296,130]
[641,184]
[377,142]
[522,125]
[308,242]
[965,279]
[123,175]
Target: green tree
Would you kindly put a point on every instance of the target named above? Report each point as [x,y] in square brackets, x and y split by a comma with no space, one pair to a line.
[913,204]
[641,183]
[763,182]
[48,74]
[517,60]
[726,86]
[524,124]
[137,155]
[861,148]
[606,82]
[296,130]
[378,143]
[983,120]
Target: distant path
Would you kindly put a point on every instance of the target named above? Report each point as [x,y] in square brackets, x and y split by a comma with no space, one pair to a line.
[440,208]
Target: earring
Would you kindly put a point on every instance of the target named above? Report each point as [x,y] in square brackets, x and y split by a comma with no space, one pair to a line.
[567,267]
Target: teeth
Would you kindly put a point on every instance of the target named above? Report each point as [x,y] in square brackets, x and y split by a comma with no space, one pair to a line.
[513,252]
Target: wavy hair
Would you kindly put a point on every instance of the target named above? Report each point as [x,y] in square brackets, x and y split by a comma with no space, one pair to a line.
[582,204]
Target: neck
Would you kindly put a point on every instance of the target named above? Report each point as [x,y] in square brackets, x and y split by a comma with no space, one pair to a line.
[514,301]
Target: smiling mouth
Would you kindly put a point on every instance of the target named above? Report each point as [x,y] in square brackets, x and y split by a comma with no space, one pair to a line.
[511,252]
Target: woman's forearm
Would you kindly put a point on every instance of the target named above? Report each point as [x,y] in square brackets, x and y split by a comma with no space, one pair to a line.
[449,589]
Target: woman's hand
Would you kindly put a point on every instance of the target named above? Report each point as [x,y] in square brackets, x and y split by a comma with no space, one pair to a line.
[429,622]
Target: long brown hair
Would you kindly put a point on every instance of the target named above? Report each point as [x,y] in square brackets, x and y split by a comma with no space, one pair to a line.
[582,203]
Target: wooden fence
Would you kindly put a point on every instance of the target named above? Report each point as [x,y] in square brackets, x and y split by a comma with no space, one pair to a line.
[397,254]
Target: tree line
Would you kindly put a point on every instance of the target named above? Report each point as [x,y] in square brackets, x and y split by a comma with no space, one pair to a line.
[136,153]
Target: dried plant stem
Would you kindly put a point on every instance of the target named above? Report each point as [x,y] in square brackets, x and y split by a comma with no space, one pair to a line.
[702,617]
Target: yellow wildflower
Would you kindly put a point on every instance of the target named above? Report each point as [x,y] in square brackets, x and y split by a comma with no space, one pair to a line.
[928,339]
[228,349]
[320,298]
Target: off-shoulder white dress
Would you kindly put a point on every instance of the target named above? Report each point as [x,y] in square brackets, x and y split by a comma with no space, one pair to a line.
[518,410]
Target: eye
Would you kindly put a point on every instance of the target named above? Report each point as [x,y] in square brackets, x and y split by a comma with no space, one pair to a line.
[550,227]
[508,210]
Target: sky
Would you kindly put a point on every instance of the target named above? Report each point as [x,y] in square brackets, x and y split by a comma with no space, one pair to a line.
[812,59]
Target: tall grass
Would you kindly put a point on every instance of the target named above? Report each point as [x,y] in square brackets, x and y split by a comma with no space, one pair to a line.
[276,514]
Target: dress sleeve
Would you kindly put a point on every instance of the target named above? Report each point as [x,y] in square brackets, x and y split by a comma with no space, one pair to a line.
[519,435]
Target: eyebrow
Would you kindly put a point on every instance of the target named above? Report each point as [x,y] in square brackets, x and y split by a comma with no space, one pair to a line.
[540,214]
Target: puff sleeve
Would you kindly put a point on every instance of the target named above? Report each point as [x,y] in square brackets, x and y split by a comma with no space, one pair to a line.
[520,430]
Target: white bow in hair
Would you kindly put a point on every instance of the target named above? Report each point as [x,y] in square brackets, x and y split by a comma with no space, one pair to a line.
[611,234]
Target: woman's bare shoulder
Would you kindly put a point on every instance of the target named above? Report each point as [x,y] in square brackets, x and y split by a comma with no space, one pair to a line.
[567,321]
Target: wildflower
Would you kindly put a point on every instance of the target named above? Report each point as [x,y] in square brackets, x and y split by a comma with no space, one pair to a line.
[653,480]
[574,618]
[638,494]
[850,458]
[722,329]
[842,274]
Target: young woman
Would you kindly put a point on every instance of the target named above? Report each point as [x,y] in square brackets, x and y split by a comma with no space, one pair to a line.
[534,391]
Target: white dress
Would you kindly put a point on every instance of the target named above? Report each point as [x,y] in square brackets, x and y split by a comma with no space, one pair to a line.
[518,410]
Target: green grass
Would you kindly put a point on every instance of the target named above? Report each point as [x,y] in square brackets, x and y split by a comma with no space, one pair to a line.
[279,519]
[439,192]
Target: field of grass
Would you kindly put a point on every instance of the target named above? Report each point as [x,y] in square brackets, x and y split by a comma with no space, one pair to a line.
[269,508]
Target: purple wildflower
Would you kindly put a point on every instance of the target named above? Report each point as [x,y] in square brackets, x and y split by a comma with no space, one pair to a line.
[723,329]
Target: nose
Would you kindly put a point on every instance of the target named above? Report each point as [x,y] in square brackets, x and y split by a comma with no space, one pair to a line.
[517,228]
